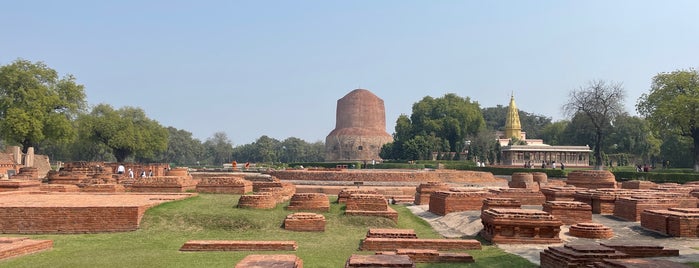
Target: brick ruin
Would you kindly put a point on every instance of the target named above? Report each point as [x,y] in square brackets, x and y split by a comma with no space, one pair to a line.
[305,222]
[391,244]
[224,185]
[523,180]
[636,263]
[257,201]
[560,193]
[19,185]
[370,205]
[397,261]
[346,192]
[391,233]
[592,179]
[424,190]
[164,184]
[501,202]
[11,247]
[457,199]
[676,222]
[591,230]
[282,190]
[61,188]
[524,196]
[603,200]
[569,212]
[630,208]
[103,188]
[274,260]
[520,226]
[412,176]
[586,255]
[64,213]
[238,245]
[309,201]
[430,256]
[636,184]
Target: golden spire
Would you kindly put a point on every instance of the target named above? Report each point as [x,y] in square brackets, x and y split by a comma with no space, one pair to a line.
[512,125]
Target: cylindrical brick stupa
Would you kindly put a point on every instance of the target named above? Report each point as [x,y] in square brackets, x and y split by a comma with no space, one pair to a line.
[360,128]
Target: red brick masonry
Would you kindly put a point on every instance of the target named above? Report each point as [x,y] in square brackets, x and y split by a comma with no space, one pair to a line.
[391,233]
[272,261]
[520,226]
[398,261]
[569,212]
[678,222]
[390,244]
[591,230]
[18,246]
[305,222]
[237,245]
[51,213]
[431,256]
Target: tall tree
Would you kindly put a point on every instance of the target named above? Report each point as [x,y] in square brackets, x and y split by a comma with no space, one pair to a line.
[532,124]
[36,105]
[632,135]
[600,102]
[672,106]
[127,132]
[450,118]
[553,133]
[182,148]
[219,149]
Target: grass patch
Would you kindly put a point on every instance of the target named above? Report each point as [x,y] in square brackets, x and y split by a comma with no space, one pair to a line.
[213,216]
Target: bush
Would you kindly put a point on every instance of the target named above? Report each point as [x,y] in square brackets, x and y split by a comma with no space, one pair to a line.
[680,177]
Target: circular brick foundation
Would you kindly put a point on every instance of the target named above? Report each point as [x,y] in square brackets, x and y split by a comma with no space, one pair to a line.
[591,230]
[309,201]
[592,179]
[521,180]
[258,200]
[540,177]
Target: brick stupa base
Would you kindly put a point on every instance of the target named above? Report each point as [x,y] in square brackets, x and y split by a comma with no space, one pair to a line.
[258,201]
[560,193]
[64,188]
[305,222]
[391,233]
[276,261]
[524,196]
[224,185]
[455,200]
[591,230]
[344,194]
[370,205]
[11,247]
[592,179]
[390,244]
[309,201]
[520,226]
[19,185]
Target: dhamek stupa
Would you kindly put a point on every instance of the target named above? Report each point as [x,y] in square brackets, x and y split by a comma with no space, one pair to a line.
[360,128]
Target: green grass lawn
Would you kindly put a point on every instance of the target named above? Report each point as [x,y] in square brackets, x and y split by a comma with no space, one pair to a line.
[166,227]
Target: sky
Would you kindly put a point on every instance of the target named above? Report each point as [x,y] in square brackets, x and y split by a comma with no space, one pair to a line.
[277,68]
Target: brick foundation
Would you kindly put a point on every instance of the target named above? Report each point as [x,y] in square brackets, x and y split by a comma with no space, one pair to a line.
[103,188]
[424,190]
[520,226]
[560,193]
[569,212]
[305,222]
[19,185]
[630,208]
[164,184]
[592,179]
[431,256]
[591,231]
[640,250]
[309,201]
[376,261]
[391,244]
[369,205]
[224,185]
[391,233]
[61,213]
[677,222]
[258,201]
[501,202]
[11,247]
[577,255]
[523,180]
[238,245]
[639,263]
[524,196]
[64,188]
[346,192]
[275,261]
[636,184]
[455,200]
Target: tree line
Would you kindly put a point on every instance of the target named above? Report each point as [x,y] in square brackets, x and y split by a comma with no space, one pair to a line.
[42,110]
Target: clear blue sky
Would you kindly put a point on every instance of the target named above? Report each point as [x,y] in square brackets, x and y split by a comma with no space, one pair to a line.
[277,68]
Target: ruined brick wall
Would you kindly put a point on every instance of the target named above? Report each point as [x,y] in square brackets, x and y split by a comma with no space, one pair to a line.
[385,176]
[569,212]
[68,220]
[227,185]
[445,202]
[305,222]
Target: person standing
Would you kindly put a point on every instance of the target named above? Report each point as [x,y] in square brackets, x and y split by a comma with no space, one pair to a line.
[130,173]
[120,169]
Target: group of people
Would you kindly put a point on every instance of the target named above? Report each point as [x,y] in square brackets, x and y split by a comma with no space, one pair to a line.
[121,170]
[529,164]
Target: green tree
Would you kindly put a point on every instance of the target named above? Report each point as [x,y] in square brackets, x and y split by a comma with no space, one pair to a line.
[128,132]
[182,148]
[450,118]
[632,135]
[600,102]
[36,105]
[219,149]
[676,150]
[553,133]
[672,106]
[533,124]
